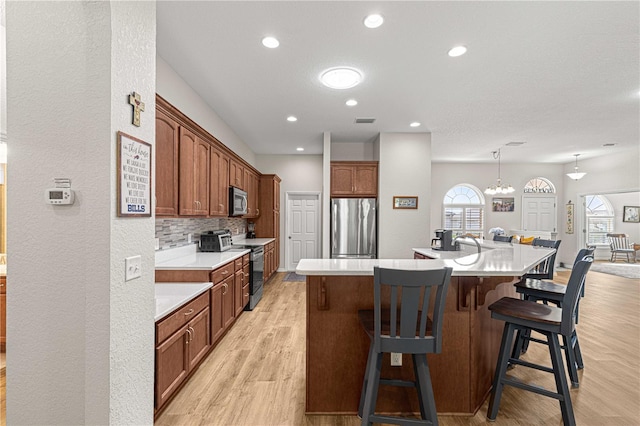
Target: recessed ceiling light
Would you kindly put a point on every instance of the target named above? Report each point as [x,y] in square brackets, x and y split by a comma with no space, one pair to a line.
[351,102]
[415,124]
[299,149]
[292,118]
[457,51]
[341,77]
[373,21]
[270,42]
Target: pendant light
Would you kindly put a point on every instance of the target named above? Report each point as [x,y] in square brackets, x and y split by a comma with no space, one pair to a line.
[576,175]
[499,188]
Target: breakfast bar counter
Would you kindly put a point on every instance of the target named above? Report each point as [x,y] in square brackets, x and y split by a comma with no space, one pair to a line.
[462,373]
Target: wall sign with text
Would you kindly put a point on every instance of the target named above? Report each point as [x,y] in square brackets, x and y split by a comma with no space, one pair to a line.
[134,177]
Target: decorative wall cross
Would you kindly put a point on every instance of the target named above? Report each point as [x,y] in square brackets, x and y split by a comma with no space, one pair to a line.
[138,105]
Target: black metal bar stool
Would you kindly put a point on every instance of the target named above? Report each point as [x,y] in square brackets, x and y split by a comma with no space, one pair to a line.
[548,291]
[551,321]
[408,327]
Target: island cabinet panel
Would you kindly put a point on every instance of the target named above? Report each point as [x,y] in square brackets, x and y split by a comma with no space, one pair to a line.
[219,183]
[354,179]
[166,168]
[183,340]
[194,175]
[337,347]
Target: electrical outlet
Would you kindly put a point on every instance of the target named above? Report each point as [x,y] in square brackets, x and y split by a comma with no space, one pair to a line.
[396,359]
[132,267]
[188,238]
[157,243]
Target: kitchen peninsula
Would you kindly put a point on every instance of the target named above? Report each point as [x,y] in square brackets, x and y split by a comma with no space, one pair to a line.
[337,346]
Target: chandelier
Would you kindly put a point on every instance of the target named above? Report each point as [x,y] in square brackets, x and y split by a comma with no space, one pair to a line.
[576,175]
[499,188]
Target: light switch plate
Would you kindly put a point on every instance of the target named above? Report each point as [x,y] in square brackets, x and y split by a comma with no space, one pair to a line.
[132,267]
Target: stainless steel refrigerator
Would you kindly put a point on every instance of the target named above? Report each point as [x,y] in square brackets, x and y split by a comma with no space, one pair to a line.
[353,228]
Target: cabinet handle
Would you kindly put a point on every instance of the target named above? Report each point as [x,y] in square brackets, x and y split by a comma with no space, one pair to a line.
[189,312]
[258,212]
[188,335]
[225,272]
[246,275]
[221,207]
[225,288]
[193,333]
[246,295]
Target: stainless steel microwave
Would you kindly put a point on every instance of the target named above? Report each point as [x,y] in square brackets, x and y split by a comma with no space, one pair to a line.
[237,202]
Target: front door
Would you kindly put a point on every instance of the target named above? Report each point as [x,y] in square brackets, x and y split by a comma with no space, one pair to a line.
[539,213]
[303,225]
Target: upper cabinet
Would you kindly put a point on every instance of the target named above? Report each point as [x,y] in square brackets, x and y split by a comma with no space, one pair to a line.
[236,174]
[354,179]
[194,174]
[219,183]
[252,184]
[167,136]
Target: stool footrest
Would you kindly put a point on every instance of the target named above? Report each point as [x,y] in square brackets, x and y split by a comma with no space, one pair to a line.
[399,420]
[530,365]
[398,382]
[531,388]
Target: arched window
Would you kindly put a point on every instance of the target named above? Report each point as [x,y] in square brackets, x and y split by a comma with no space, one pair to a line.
[463,210]
[539,185]
[600,218]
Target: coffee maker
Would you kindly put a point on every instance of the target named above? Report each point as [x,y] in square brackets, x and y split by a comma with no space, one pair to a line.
[251,230]
[444,240]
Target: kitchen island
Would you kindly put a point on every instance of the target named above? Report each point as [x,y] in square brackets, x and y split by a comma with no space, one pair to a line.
[337,346]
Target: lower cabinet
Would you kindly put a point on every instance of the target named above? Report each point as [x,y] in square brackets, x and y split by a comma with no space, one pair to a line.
[183,339]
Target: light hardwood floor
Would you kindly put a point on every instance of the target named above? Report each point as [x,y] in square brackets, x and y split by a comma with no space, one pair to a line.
[256,376]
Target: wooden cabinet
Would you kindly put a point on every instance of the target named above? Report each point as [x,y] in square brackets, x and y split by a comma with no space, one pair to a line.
[354,179]
[268,223]
[183,339]
[270,264]
[252,185]
[237,287]
[167,137]
[222,307]
[245,284]
[218,183]
[194,174]
[236,174]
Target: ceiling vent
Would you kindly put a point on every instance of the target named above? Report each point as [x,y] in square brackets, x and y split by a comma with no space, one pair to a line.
[515,143]
[365,120]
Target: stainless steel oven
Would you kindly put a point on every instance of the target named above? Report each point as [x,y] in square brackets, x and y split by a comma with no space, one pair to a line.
[256,267]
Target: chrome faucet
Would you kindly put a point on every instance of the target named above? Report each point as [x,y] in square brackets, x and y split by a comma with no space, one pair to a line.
[475,240]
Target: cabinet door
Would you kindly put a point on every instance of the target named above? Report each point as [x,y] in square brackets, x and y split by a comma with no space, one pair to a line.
[172,365]
[366,180]
[236,174]
[276,235]
[201,177]
[228,309]
[342,180]
[187,201]
[245,285]
[167,136]
[218,183]
[199,337]
[217,321]
[276,195]
[237,292]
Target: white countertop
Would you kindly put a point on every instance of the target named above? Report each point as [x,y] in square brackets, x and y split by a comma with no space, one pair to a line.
[253,241]
[170,296]
[188,258]
[496,259]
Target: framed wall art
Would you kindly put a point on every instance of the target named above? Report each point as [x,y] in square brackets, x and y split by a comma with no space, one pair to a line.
[631,214]
[569,217]
[405,202]
[134,177]
[503,204]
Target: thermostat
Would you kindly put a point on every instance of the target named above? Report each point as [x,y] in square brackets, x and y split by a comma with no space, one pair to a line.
[61,194]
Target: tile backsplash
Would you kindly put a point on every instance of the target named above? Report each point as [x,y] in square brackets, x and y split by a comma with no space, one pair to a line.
[173,232]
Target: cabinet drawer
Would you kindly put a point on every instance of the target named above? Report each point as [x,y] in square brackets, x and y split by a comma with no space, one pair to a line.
[223,273]
[180,317]
[238,263]
[270,245]
[245,259]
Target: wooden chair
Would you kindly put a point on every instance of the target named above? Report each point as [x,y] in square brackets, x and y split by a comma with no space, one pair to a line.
[408,326]
[620,244]
[503,238]
[548,291]
[550,321]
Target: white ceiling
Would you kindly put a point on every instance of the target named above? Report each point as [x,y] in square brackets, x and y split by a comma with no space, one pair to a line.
[564,77]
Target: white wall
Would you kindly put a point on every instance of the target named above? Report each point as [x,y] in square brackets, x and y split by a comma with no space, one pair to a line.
[352,151]
[79,339]
[174,89]
[618,201]
[404,169]
[298,173]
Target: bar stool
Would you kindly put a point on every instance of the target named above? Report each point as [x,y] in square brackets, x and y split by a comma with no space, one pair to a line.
[408,327]
[544,270]
[548,291]
[551,321]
